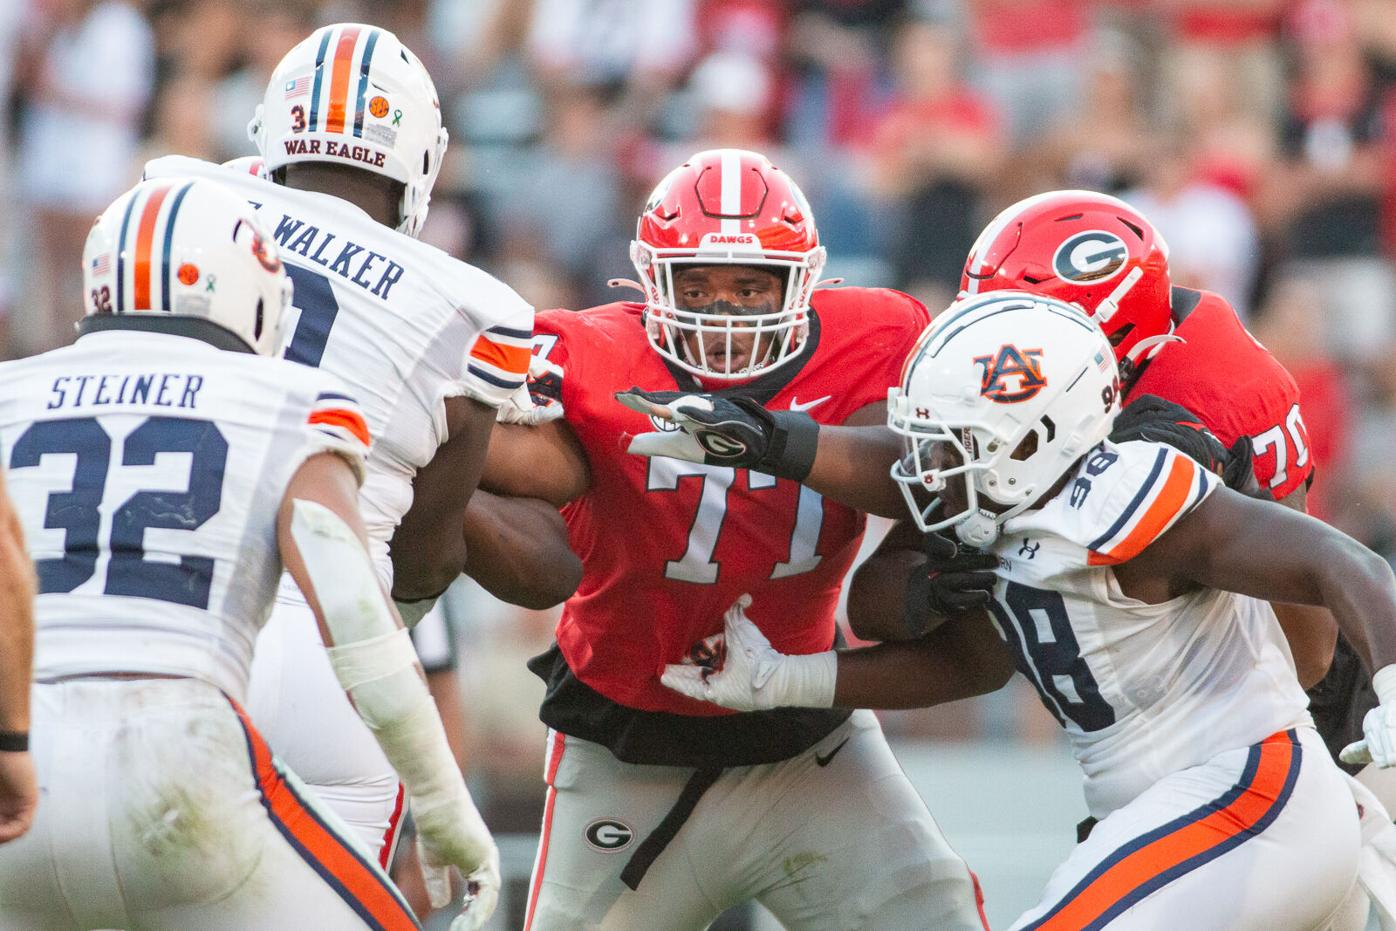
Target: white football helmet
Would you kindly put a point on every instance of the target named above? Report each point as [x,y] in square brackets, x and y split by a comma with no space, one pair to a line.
[354,95]
[187,247]
[1005,391]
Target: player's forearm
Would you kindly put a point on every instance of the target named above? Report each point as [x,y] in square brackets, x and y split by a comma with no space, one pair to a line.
[516,548]
[1359,588]
[428,549]
[878,606]
[961,659]
[852,465]
[16,631]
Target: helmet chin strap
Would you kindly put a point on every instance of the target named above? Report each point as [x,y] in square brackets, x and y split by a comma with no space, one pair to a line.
[978,530]
[1151,345]
[626,283]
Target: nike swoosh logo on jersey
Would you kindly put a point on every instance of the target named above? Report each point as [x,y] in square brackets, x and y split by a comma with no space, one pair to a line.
[826,758]
[795,404]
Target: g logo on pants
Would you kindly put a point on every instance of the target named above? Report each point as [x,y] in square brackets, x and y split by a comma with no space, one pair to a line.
[608,835]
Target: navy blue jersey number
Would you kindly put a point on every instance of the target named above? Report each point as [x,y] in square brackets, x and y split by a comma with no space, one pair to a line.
[319,308]
[1040,635]
[74,511]
[128,572]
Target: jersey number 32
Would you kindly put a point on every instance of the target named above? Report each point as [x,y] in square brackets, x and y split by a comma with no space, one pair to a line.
[78,511]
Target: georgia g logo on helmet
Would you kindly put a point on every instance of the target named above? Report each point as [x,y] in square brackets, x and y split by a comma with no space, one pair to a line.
[1011,374]
[1093,255]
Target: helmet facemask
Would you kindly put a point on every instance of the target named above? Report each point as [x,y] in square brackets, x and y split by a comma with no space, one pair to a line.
[682,335]
[964,475]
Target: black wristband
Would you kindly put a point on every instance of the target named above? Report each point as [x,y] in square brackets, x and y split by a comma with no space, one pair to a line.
[14,741]
[794,443]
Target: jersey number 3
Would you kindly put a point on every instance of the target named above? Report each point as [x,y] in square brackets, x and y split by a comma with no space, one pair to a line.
[78,511]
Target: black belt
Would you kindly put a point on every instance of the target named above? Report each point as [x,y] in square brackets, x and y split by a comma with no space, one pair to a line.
[667,829]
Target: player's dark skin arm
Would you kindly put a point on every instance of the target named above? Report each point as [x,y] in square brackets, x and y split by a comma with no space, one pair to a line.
[853,462]
[428,549]
[516,548]
[961,658]
[877,595]
[544,461]
[1311,631]
[1239,544]
[1229,542]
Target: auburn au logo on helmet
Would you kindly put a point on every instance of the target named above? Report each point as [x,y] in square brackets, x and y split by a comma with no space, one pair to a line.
[1011,374]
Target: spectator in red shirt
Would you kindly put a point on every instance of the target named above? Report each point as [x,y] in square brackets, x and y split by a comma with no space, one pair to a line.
[934,155]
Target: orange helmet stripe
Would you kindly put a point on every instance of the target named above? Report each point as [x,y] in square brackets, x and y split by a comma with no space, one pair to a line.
[145,239]
[339,80]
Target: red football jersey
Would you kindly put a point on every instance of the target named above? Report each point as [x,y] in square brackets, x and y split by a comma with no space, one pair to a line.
[667,545]
[1224,376]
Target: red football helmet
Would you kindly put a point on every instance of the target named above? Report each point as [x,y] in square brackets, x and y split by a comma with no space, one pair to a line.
[727,207]
[1088,249]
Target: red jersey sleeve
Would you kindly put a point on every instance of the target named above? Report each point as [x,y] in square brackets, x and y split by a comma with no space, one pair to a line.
[1237,388]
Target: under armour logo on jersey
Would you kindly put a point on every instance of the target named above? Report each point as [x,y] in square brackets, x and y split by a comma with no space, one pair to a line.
[1029,548]
[1011,374]
[1094,255]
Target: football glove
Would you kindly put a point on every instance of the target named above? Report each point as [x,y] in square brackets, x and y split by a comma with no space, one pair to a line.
[1378,743]
[538,399]
[736,432]
[754,675]
[1152,418]
[949,581]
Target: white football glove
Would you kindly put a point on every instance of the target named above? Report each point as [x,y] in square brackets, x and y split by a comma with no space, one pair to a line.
[538,399]
[754,675]
[676,441]
[453,834]
[1379,726]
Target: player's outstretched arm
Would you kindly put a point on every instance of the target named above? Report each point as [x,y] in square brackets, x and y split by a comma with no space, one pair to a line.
[913,582]
[849,463]
[19,792]
[516,548]
[322,543]
[428,551]
[962,658]
[1239,544]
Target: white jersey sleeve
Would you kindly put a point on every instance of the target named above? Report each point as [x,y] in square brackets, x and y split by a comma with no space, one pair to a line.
[1141,689]
[405,325]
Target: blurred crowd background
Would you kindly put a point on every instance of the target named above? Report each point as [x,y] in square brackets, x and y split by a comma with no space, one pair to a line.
[1258,135]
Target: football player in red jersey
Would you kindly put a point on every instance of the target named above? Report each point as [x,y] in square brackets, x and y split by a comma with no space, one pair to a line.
[662,811]
[1182,345]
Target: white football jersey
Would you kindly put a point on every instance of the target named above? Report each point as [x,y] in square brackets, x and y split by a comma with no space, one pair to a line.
[404,324]
[147,470]
[1143,690]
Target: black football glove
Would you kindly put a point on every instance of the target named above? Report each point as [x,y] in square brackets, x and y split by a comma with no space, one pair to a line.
[951,580]
[1150,417]
[714,430]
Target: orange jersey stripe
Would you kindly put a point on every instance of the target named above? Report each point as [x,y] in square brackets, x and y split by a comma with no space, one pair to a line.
[1169,502]
[145,239]
[1266,788]
[509,358]
[372,895]
[536,884]
[339,80]
[339,417]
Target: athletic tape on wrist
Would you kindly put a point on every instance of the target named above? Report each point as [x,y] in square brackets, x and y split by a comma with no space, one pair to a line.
[1384,684]
[14,741]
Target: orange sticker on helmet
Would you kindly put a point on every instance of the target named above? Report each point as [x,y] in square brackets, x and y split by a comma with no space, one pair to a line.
[378,106]
[188,273]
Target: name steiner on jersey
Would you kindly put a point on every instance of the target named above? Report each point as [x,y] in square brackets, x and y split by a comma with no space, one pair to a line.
[161,389]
